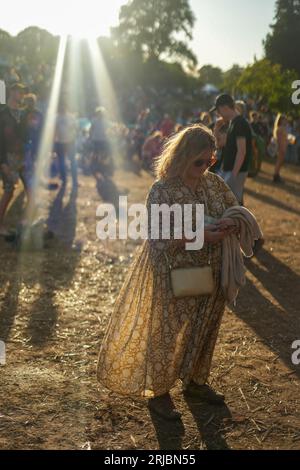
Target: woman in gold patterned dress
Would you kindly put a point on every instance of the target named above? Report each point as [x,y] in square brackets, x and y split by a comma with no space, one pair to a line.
[154,339]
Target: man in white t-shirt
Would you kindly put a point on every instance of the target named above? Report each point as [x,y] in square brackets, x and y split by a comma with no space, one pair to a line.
[65,137]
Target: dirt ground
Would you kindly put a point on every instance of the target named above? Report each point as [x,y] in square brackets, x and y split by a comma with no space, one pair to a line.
[55,304]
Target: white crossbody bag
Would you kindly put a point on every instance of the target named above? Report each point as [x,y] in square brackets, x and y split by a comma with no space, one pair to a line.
[192,281]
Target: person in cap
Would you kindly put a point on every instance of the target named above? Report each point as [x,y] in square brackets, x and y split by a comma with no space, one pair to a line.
[237,146]
[11,148]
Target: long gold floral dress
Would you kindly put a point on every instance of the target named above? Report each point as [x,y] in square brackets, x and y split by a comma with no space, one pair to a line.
[154,339]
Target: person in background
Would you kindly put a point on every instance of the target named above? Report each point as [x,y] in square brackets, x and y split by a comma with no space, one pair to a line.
[238,146]
[151,149]
[143,120]
[258,126]
[206,120]
[280,135]
[32,129]
[101,145]
[135,141]
[11,148]
[99,131]
[65,137]
[166,126]
[220,130]
[241,107]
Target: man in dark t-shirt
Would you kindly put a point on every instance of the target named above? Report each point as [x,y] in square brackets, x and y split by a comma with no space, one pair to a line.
[238,146]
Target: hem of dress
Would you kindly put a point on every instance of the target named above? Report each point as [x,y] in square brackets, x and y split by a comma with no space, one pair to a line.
[146,393]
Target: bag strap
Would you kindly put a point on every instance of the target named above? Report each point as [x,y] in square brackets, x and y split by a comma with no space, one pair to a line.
[168,261]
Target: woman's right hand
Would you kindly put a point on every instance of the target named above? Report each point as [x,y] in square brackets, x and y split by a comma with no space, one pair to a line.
[214,236]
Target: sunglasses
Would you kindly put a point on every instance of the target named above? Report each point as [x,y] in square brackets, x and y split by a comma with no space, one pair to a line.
[199,163]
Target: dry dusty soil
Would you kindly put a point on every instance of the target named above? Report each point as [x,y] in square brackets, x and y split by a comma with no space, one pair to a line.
[55,304]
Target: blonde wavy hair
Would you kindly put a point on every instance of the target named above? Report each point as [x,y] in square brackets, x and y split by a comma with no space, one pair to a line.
[182,149]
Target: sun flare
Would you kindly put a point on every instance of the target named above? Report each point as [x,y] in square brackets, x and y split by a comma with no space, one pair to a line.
[87,20]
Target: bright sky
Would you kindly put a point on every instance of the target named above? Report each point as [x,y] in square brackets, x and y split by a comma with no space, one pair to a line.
[226,32]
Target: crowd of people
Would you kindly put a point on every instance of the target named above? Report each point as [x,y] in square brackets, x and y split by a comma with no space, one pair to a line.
[245,132]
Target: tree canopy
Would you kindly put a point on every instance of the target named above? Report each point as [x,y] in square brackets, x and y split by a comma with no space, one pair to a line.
[282,45]
[266,81]
[149,49]
[210,74]
[156,29]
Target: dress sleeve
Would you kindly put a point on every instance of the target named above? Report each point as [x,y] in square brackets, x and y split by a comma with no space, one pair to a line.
[159,195]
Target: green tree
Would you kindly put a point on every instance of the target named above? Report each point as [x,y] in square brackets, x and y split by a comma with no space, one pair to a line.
[264,80]
[231,78]
[7,45]
[210,74]
[37,45]
[156,29]
[282,45]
